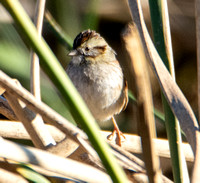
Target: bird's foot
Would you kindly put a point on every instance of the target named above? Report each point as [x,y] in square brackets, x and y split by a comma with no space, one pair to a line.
[118,139]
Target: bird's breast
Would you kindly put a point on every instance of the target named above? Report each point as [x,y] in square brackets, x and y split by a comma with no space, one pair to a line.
[100,85]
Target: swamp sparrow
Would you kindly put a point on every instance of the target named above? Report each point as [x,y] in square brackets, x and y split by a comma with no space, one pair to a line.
[98,77]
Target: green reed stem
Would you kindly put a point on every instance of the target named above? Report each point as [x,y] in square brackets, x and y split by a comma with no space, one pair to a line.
[162,40]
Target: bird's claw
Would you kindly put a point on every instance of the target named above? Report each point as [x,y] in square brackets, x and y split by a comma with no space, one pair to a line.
[118,139]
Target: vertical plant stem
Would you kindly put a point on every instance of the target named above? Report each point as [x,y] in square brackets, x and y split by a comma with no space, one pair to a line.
[146,122]
[35,65]
[162,39]
[38,122]
[78,108]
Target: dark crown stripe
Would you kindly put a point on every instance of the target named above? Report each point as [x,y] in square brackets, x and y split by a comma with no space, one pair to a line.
[82,37]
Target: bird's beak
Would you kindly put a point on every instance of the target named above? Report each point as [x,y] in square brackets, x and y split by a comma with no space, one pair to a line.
[73,53]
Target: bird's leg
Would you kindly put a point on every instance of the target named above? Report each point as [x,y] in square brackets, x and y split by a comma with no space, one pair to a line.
[118,133]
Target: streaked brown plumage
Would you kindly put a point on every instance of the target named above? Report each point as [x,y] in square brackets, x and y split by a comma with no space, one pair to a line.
[98,77]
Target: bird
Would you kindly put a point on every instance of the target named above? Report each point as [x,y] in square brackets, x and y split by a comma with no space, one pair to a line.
[98,77]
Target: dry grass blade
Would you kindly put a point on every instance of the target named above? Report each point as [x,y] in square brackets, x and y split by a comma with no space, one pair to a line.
[139,175]
[173,94]
[33,124]
[15,130]
[51,162]
[38,107]
[47,113]
[7,176]
[128,161]
[133,145]
[63,148]
[27,117]
[146,122]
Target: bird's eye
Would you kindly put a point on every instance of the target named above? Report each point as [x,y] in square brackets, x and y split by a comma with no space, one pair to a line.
[87,49]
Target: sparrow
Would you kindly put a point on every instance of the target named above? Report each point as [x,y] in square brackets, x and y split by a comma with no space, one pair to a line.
[98,77]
